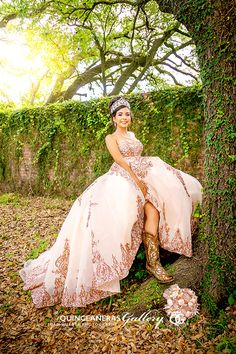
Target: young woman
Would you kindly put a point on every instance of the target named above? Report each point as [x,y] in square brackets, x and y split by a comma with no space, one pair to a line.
[139,199]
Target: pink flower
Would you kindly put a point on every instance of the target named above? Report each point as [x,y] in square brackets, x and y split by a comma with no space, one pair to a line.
[183,301]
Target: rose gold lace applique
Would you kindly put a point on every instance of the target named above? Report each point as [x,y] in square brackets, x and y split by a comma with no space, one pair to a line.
[41,297]
[178,175]
[128,251]
[140,166]
[119,171]
[166,226]
[150,197]
[104,272]
[61,269]
[83,296]
[39,293]
[62,261]
[69,299]
[176,244]
[116,265]
[132,147]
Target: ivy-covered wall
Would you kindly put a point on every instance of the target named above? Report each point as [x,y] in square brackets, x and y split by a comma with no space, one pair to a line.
[59,149]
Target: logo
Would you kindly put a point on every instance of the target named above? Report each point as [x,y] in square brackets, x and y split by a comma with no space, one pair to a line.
[177,318]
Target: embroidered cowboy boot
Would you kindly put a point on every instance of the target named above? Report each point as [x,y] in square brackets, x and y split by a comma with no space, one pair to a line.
[153,264]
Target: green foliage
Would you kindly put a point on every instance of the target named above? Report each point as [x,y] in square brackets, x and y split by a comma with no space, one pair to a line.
[138,270]
[43,245]
[9,198]
[226,345]
[67,144]
[5,307]
[90,48]
[211,25]
[149,296]
[219,325]
[6,106]
[232,298]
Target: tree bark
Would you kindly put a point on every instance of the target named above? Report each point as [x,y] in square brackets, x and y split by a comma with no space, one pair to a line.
[212,27]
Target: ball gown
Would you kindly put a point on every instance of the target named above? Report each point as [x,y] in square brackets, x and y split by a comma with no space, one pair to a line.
[102,232]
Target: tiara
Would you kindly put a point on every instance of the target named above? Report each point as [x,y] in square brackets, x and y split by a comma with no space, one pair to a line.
[120,102]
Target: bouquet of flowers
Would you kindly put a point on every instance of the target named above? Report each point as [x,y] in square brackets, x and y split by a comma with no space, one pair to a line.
[181,301]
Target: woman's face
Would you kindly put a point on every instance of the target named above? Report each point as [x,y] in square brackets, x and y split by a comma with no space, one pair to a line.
[122,117]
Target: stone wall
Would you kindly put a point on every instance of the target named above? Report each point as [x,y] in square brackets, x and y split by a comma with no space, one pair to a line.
[60,149]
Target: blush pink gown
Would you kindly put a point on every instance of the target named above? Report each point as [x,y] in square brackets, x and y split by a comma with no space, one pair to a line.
[101,234]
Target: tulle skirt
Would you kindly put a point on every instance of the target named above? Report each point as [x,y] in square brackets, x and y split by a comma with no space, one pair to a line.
[102,232]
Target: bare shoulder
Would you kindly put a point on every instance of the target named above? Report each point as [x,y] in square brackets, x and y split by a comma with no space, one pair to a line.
[110,137]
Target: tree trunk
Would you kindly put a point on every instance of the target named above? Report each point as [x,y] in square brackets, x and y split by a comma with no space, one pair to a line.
[212,27]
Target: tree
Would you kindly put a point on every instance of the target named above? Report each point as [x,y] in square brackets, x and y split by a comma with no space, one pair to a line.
[212,26]
[113,46]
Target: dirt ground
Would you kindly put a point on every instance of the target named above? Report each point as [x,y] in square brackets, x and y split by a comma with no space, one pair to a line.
[28,226]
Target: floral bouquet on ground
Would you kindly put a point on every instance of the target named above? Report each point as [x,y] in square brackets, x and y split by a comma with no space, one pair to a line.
[181,302]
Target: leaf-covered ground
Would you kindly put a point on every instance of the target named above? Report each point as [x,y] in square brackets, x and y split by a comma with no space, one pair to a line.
[29,225]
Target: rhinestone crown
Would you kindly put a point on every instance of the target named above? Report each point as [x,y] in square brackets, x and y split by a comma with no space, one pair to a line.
[120,102]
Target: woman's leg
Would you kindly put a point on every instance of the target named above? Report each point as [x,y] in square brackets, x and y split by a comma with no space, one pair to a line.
[152,218]
[151,244]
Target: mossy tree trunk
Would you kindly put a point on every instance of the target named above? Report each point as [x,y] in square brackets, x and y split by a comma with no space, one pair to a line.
[212,27]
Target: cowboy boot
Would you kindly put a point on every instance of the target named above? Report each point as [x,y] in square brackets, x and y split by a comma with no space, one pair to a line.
[153,264]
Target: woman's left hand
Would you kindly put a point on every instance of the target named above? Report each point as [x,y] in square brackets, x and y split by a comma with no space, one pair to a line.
[143,187]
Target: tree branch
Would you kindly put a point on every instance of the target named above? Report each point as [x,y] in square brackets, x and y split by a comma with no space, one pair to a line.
[6,19]
[161,71]
[143,61]
[180,58]
[180,71]
[88,75]
[133,29]
[186,34]
[174,50]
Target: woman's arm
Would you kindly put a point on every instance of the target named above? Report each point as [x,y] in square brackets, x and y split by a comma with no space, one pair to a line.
[118,158]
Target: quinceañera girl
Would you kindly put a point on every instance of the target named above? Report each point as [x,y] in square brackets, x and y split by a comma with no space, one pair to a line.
[139,199]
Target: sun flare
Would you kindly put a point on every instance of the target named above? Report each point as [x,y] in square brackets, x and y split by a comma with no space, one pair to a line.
[19,67]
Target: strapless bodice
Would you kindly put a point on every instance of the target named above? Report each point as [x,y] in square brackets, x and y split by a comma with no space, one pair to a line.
[130,147]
